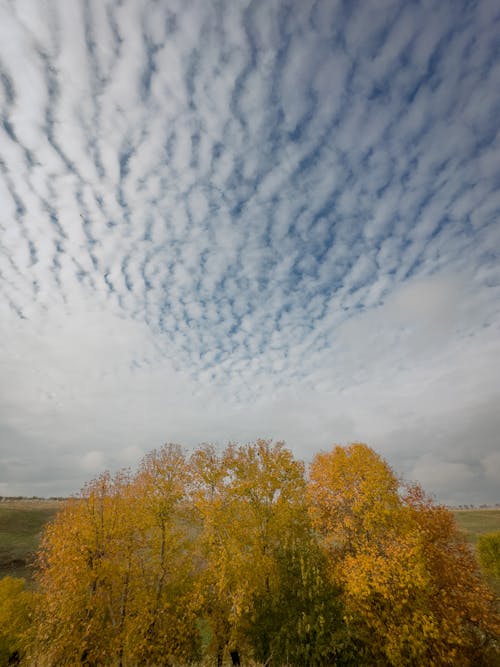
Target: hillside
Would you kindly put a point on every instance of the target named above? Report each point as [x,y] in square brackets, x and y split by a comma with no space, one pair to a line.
[21,526]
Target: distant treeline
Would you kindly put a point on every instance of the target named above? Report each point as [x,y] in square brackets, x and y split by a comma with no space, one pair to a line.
[473,507]
[10,498]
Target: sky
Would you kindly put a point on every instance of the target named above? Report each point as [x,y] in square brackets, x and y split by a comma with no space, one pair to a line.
[224,220]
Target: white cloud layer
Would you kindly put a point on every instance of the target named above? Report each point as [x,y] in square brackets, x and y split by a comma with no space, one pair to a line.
[220,221]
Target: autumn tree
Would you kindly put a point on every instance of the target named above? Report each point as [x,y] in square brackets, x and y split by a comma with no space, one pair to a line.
[412,588]
[80,572]
[262,561]
[249,497]
[351,567]
[116,575]
[214,547]
[16,612]
[462,607]
[353,496]
[168,598]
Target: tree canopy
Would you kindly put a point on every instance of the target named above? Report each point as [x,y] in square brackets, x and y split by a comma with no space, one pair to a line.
[412,588]
[245,555]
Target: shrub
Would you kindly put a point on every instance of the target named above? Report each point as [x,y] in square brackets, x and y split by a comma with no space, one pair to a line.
[488,549]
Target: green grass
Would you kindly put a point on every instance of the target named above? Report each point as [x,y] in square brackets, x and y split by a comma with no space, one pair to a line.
[475,522]
[21,525]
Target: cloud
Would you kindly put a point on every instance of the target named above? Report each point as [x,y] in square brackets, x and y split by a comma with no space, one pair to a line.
[131,455]
[220,222]
[93,461]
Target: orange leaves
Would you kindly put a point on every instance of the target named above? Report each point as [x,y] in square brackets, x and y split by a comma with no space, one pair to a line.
[116,574]
[352,495]
[412,587]
[384,587]
[350,567]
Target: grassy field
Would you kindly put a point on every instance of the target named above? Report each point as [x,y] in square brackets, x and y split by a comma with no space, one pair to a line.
[22,522]
[475,522]
[21,525]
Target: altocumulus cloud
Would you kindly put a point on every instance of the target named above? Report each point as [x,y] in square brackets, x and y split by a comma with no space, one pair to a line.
[224,220]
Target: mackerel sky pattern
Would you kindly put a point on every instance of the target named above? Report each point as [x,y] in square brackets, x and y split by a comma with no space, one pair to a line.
[221,220]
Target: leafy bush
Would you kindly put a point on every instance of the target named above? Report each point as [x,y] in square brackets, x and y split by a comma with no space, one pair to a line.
[15,618]
[488,548]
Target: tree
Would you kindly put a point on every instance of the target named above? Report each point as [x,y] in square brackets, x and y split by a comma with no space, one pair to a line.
[16,610]
[300,621]
[213,546]
[351,567]
[412,589]
[116,573]
[353,496]
[82,576]
[458,599]
[168,599]
[247,499]
[262,564]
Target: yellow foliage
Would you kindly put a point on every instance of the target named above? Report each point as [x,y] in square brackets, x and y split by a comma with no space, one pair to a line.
[412,588]
[238,544]
[250,500]
[16,609]
[116,574]
[352,495]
